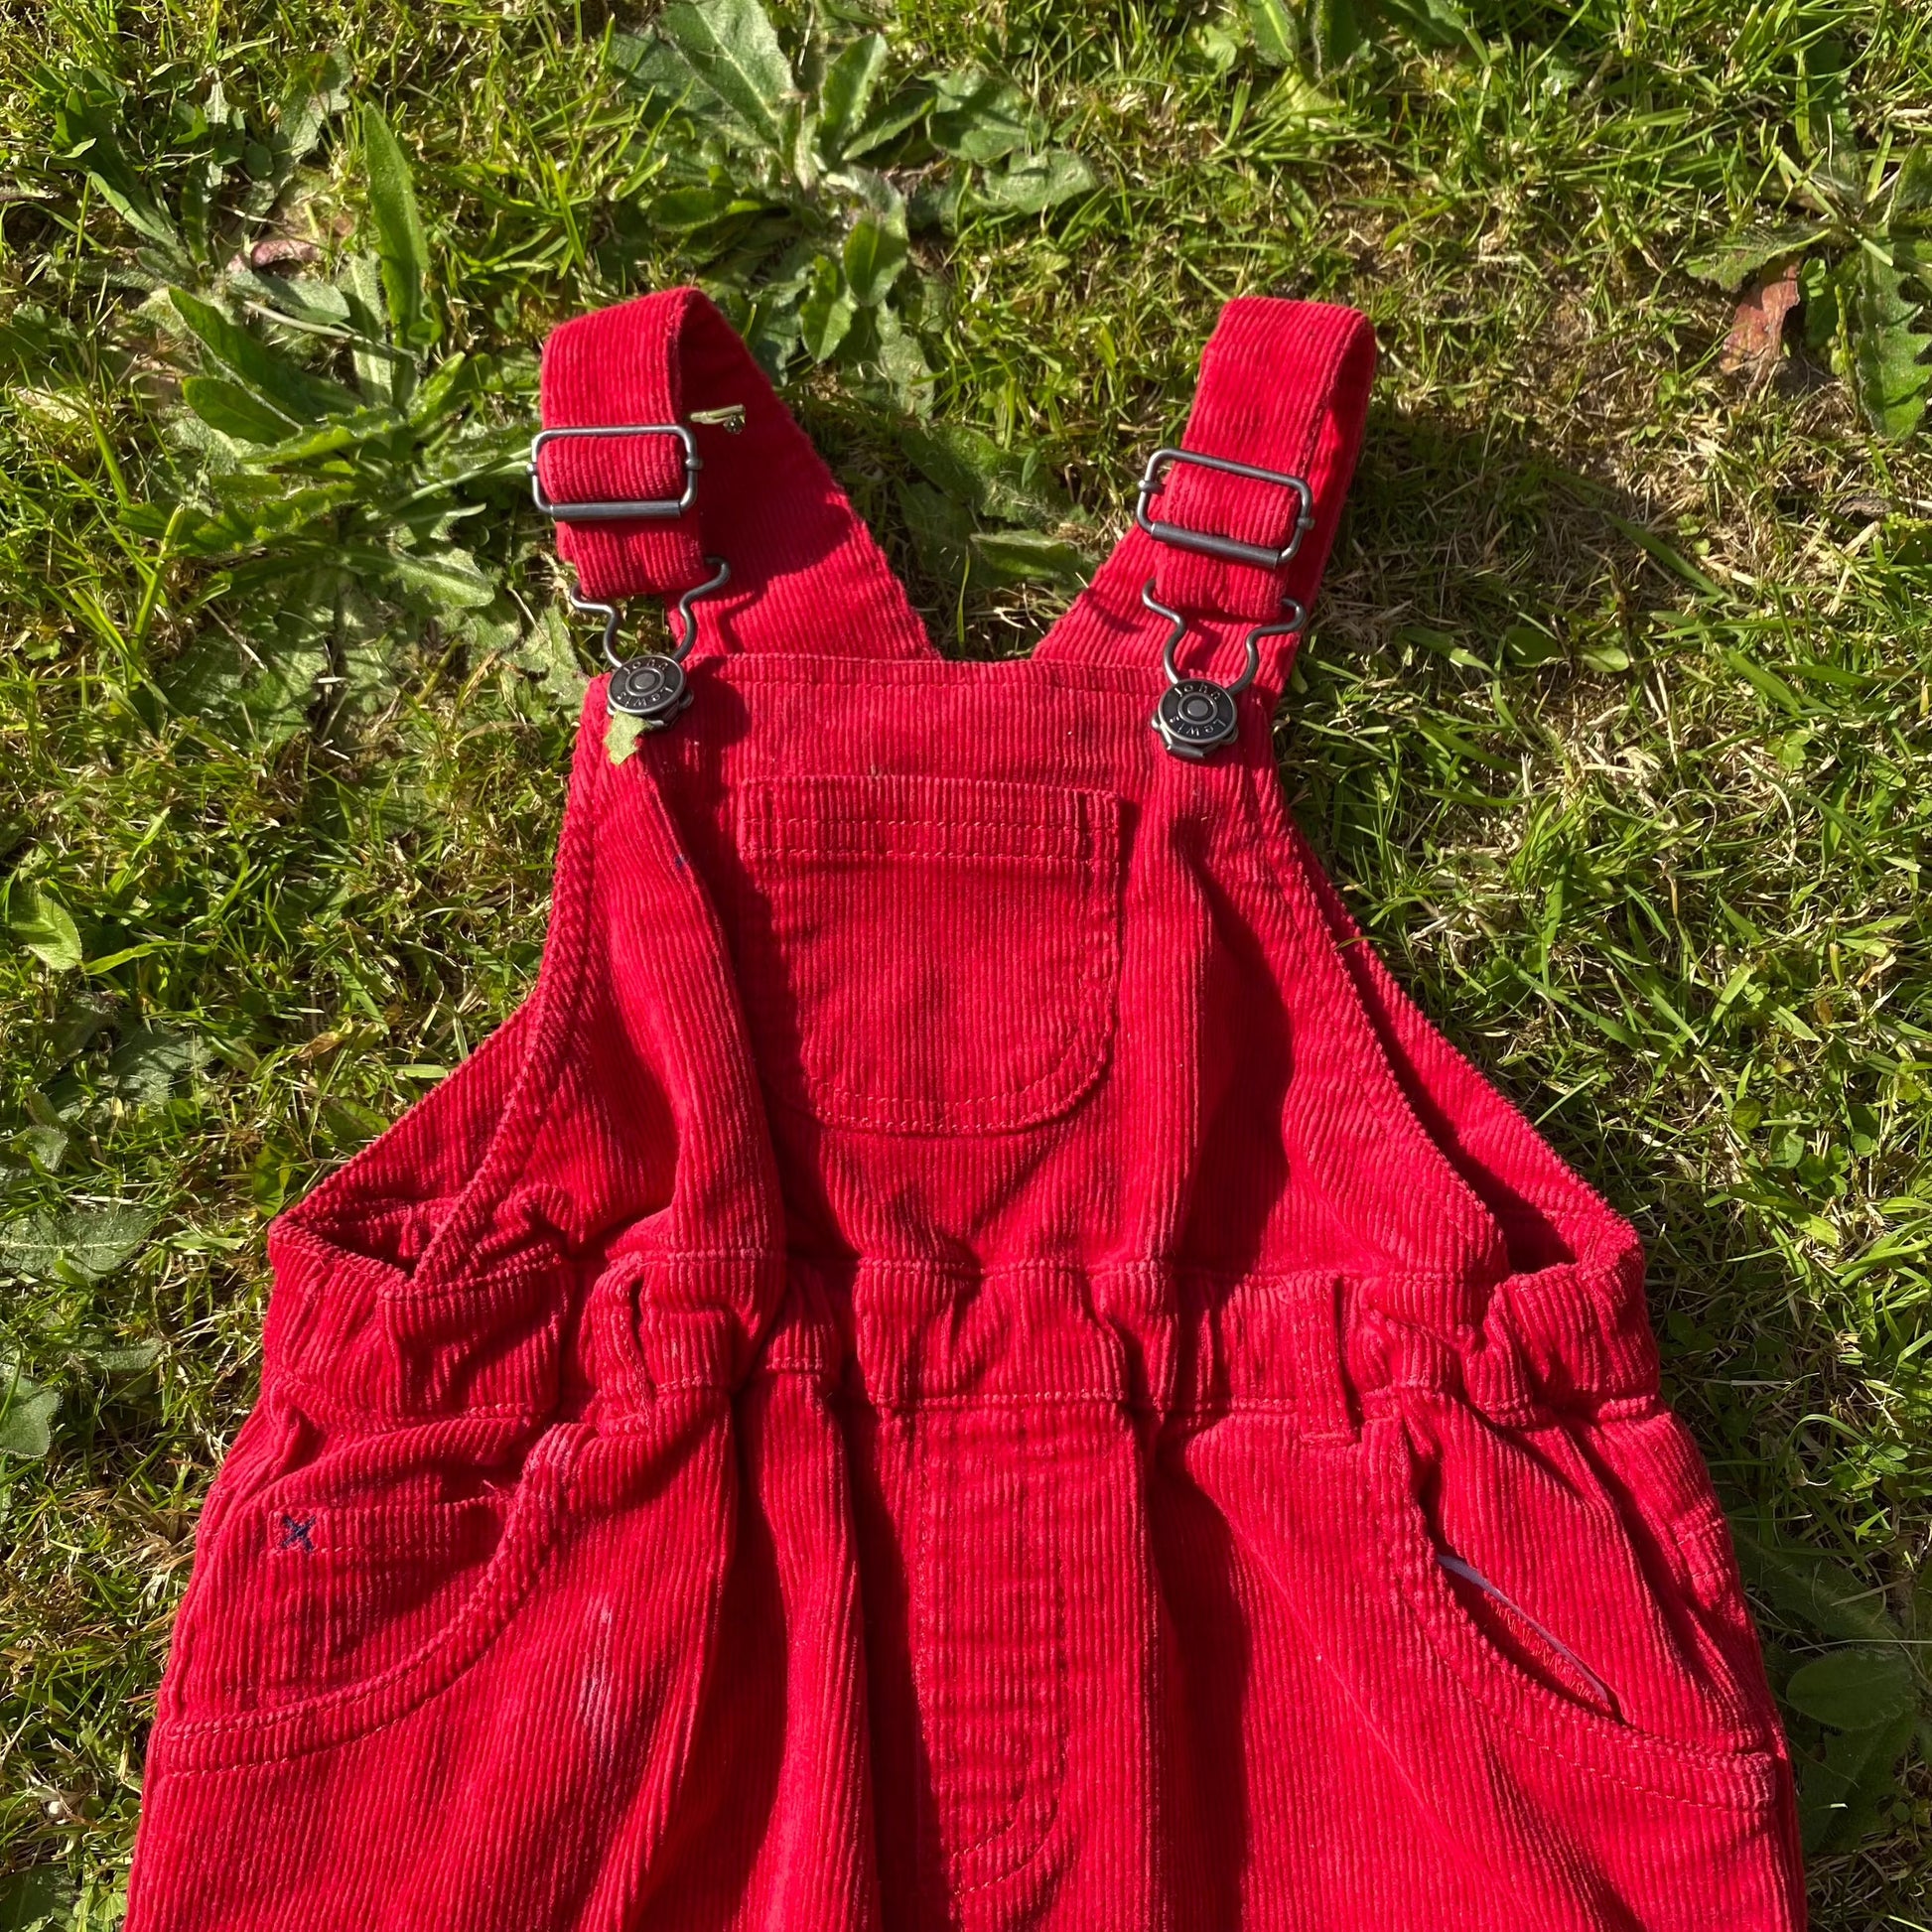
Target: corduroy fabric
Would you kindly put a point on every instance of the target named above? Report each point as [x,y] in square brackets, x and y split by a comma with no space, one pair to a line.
[968,1359]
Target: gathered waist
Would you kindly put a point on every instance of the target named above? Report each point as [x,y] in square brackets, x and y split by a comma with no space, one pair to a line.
[1159,1337]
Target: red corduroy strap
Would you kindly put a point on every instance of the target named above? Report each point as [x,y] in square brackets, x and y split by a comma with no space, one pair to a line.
[1284,387]
[806,575]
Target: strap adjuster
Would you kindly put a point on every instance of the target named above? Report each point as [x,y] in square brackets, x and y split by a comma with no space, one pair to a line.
[1211,542]
[658,506]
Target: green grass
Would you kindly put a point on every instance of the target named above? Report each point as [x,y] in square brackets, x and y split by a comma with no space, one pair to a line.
[1615,725]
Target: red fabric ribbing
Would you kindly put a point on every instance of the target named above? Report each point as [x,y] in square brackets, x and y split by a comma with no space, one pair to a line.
[968,1362]
[806,574]
[1284,386]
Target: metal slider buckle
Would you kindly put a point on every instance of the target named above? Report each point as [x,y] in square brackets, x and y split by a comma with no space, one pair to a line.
[657,506]
[1209,542]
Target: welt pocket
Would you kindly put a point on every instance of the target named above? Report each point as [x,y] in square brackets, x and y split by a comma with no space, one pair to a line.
[929,955]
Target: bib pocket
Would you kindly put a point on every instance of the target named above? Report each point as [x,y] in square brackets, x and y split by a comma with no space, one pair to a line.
[929,955]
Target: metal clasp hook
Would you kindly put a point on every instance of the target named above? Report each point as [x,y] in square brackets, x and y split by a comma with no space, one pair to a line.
[652,685]
[1197,715]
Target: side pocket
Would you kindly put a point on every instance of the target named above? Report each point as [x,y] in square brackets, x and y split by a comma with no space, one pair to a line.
[1646,1462]
[1548,1589]
[360,1582]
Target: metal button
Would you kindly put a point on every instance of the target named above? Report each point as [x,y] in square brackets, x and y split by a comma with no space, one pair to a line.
[652,687]
[1195,715]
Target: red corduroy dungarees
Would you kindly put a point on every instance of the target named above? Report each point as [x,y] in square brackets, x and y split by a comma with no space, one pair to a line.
[967,1359]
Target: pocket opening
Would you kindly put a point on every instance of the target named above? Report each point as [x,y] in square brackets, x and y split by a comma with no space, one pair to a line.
[315,1621]
[1671,1715]
[1604,1696]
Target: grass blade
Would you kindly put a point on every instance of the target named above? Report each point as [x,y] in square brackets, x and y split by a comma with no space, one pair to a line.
[400,243]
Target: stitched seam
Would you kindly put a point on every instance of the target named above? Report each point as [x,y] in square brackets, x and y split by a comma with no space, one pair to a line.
[1083,1047]
[533,1089]
[1014,1795]
[1032,1805]
[1063,826]
[1071,1072]
[921,1635]
[1085,1023]
[476,1609]
[1061,830]
[335,1403]
[936,854]
[1046,1809]
[1080,816]
[1396,1110]
[671,1257]
[1111,677]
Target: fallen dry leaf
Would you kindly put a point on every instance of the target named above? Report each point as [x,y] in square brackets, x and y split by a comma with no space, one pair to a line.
[1756,337]
[276,251]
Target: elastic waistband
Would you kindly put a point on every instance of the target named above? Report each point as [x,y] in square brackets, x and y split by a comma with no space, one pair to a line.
[1151,1336]
[1139,1335]
[1173,1342]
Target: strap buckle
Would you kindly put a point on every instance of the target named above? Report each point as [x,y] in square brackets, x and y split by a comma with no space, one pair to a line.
[1211,542]
[652,686]
[655,506]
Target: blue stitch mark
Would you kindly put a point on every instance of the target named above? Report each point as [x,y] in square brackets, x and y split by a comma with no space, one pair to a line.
[295,1534]
[677,859]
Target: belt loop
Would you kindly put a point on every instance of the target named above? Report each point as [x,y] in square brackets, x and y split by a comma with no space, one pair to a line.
[1321,1389]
